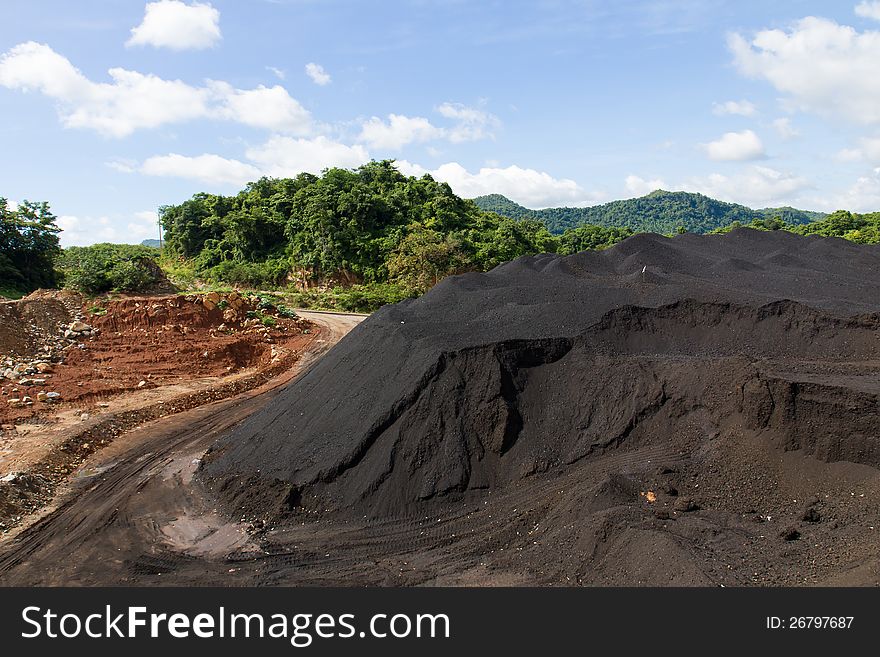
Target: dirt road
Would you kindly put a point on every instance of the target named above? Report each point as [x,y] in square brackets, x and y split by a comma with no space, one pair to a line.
[129,510]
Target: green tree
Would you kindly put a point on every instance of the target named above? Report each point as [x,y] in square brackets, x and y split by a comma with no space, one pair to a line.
[424,257]
[590,237]
[110,267]
[28,246]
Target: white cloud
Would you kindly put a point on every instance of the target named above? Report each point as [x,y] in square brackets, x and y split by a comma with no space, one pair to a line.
[818,65]
[278,157]
[277,72]
[271,108]
[133,101]
[639,186]
[848,155]
[81,231]
[397,132]
[123,165]
[469,124]
[738,107]
[862,196]
[868,9]
[784,128]
[178,26]
[208,168]
[531,188]
[472,124]
[868,149]
[754,186]
[284,156]
[737,146]
[318,75]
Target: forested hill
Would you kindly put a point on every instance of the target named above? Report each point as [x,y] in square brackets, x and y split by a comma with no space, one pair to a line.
[500,204]
[658,212]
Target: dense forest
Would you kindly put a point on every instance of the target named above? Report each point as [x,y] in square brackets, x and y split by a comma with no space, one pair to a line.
[367,226]
[658,212]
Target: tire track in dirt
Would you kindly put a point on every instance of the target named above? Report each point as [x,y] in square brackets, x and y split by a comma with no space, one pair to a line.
[110,519]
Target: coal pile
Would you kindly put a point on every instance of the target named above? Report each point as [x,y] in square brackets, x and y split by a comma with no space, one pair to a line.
[688,398]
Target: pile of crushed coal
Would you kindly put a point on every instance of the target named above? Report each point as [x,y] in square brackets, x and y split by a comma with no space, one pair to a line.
[728,378]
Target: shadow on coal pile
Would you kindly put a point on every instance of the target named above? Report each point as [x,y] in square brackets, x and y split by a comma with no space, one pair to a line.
[718,438]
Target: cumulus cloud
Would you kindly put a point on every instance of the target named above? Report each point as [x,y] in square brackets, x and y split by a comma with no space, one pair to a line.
[738,107]
[271,108]
[819,66]
[397,132]
[868,149]
[639,186]
[284,156]
[318,75]
[531,188]
[862,196]
[471,123]
[81,231]
[178,26]
[211,169]
[745,145]
[755,186]
[784,128]
[280,156]
[868,9]
[133,101]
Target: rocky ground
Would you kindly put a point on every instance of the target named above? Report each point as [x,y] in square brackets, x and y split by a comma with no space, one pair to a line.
[76,373]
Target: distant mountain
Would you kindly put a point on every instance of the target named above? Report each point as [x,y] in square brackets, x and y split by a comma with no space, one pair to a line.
[156,244]
[658,212]
[502,205]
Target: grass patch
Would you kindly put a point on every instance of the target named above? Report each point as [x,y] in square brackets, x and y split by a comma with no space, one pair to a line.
[10,292]
[355,299]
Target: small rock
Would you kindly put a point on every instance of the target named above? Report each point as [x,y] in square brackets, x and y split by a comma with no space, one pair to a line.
[685,505]
[79,327]
[42,397]
[84,417]
[141,384]
[53,396]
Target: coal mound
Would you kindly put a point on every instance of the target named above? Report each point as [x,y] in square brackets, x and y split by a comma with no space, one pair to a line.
[687,361]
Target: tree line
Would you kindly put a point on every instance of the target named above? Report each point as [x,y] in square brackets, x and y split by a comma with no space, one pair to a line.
[658,212]
[364,236]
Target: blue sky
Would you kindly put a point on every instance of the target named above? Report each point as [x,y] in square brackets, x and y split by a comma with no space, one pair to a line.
[111,108]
